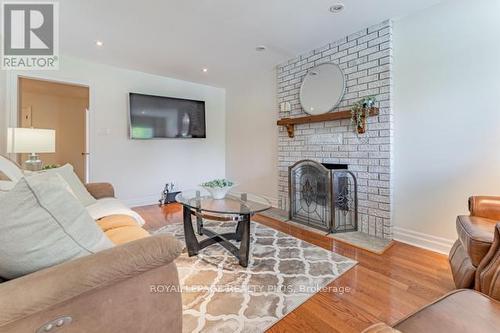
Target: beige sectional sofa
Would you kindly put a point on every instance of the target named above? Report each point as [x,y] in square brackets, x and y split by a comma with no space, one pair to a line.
[106,292]
[114,290]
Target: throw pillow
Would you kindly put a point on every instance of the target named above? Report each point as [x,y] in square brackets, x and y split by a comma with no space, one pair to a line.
[9,170]
[6,185]
[77,187]
[43,225]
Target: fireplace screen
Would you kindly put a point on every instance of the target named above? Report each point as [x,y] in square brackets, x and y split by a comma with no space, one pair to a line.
[323,196]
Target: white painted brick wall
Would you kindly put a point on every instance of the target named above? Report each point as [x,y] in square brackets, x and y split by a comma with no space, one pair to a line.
[366,59]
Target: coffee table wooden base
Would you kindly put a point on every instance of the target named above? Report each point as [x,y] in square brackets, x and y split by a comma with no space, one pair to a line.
[242,235]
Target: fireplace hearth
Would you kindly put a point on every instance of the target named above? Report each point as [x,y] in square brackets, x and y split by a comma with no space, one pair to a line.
[323,196]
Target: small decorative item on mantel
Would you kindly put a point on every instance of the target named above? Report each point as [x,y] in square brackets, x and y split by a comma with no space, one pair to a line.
[360,111]
[218,188]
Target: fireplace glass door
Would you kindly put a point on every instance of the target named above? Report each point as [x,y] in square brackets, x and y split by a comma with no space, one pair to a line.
[323,196]
[310,185]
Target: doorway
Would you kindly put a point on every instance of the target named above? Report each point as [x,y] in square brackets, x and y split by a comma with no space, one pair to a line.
[64,108]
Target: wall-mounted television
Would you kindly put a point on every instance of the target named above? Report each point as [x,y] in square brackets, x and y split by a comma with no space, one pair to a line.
[158,117]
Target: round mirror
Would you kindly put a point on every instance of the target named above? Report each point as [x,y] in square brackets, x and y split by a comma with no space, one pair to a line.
[322,89]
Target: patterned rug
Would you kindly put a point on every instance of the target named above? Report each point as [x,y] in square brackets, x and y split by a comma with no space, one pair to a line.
[219,295]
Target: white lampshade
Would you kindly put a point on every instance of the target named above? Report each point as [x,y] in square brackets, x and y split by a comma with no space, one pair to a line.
[31,140]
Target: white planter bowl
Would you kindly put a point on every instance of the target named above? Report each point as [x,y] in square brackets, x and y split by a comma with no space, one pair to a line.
[218,192]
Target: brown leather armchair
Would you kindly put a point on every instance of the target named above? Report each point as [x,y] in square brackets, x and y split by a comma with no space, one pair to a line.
[475,256]
[458,311]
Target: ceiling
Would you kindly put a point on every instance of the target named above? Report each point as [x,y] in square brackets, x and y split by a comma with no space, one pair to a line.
[178,38]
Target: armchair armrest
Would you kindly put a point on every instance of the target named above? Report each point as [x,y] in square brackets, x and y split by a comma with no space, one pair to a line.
[52,286]
[485,206]
[488,277]
[101,190]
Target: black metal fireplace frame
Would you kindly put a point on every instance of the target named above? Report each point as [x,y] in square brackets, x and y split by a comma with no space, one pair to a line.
[331,195]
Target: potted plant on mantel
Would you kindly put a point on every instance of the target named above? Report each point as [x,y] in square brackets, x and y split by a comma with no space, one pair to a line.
[360,111]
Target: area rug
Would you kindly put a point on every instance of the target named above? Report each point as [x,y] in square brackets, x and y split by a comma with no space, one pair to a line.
[219,295]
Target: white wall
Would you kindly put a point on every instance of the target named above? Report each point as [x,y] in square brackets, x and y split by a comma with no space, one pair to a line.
[138,169]
[447,117]
[252,134]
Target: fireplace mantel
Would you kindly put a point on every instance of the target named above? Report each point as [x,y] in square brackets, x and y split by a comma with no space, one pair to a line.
[289,123]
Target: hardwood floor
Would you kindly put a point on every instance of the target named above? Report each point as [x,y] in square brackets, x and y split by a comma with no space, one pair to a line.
[382,287]
[157,217]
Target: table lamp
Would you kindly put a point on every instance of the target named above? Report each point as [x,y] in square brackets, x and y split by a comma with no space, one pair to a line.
[31,141]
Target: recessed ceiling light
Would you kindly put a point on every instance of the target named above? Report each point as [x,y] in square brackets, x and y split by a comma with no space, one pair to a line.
[205,70]
[260,48]
[337,8]
[99,43]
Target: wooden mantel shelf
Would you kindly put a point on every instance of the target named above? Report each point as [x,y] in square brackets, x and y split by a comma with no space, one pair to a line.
[289,123]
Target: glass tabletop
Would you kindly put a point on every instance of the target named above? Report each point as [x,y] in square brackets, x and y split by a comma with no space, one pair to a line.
[233,203]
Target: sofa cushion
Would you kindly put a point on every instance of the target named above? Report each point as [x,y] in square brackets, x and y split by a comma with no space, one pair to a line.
[98,290]
[43,225]
[116,221]
[124,235]
[9,170]
[77,187]
[112,206]
[6,185]
[121,229]
[10,174]
[476,236]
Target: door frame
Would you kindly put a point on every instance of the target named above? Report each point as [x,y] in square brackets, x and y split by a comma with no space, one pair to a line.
[13,96]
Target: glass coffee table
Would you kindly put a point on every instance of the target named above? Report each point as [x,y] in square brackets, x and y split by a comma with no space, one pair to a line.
[236,207]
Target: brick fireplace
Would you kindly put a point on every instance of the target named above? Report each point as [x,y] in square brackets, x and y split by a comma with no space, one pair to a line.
[366,59]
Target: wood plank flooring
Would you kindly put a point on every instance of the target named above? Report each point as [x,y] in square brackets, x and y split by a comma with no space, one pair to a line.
[382,287]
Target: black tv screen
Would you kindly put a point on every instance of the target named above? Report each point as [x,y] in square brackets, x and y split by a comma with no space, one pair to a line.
[154,117]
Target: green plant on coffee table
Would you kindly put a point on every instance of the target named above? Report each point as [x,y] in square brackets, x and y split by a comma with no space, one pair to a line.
[218,188]
[360,111]
[218,183]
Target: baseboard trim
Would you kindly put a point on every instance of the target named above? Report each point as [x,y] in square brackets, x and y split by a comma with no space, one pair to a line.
[426,241]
